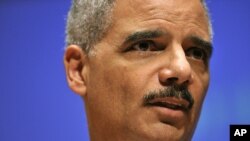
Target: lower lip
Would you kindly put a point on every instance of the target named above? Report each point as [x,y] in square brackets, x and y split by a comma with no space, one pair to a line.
[169,115]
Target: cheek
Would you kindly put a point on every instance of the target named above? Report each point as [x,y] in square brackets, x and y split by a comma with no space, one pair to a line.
[199,89]
[124,84]
[114,87]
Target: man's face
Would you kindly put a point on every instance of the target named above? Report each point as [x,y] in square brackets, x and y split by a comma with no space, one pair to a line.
[151,45]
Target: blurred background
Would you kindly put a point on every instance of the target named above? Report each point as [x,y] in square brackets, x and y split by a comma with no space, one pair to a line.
[37,105]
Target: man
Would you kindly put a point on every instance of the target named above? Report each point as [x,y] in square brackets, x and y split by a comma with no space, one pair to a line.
[141,66]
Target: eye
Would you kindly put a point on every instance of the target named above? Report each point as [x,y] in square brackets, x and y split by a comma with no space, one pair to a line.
[144,46]
[196,53]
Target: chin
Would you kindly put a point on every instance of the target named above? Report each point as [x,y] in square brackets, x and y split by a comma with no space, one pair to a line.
[162,132]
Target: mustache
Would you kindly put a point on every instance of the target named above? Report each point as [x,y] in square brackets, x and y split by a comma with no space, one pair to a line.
[174,91]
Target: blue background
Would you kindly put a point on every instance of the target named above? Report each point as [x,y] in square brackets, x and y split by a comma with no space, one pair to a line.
[37,105]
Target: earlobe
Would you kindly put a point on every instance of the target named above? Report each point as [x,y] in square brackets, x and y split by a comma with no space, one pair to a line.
[74,62]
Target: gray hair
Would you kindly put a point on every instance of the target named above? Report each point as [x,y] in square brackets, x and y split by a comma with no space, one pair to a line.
[89,20]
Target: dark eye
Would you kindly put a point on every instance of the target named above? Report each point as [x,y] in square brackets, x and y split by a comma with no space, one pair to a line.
[196,53]
[144,46]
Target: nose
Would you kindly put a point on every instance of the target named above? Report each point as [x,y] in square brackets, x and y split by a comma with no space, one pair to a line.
[176,69]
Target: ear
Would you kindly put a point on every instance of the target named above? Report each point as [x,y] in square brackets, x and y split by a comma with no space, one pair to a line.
[75,61]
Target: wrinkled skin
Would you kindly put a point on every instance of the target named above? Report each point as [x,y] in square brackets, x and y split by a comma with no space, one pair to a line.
[115,79]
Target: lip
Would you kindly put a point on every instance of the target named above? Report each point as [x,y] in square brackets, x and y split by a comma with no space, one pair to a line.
[170,109]
[170,103]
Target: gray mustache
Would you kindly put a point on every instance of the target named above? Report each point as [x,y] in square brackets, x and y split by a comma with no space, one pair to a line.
[174,90]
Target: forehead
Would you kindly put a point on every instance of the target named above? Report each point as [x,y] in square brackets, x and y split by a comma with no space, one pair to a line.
[183,13]
[165,4]
[166,7]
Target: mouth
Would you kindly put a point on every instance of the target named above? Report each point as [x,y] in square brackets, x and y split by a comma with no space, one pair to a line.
[172,103]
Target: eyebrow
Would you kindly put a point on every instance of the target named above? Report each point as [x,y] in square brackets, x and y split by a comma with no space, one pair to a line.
[140,35]
[202,43]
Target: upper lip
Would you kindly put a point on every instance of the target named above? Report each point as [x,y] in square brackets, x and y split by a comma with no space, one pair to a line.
[170,102]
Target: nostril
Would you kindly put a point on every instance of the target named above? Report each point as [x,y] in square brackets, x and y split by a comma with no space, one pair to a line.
[171,81]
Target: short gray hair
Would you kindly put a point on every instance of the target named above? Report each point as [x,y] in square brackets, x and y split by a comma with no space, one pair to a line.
[89,20]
